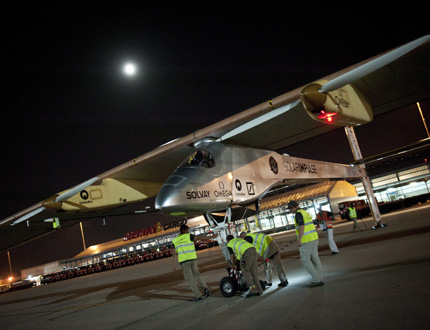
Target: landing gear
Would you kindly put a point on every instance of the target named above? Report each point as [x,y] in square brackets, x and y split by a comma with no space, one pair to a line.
[229,286]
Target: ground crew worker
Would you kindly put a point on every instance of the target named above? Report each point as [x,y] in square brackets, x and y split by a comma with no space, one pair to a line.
[244,252]
[307,240]
[187,258]
[352,215]
[267,247]
[325,222]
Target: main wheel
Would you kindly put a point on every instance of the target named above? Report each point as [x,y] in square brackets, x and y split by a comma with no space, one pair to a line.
[227,287]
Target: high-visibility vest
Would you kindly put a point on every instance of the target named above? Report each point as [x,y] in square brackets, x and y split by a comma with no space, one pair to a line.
[310,233]
[239,247]
[184,247]
[260,242]
[324,218]
[352,212]
[56,223]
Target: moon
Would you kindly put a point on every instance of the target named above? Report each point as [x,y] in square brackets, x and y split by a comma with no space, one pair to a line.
[130,69]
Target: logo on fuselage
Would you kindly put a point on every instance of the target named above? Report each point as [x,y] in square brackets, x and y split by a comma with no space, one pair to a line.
[273,165]
[203,194]
[222,192]
[84,194]
[238,185]
[300,167]
[342,98]
[198,194]
[250,188]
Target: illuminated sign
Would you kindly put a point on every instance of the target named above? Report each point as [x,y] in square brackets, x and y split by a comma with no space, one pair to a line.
[156,228]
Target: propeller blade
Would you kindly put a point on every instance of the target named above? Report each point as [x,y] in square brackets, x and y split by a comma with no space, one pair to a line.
[75,190]
[28,215]
[258,121]
[373,65]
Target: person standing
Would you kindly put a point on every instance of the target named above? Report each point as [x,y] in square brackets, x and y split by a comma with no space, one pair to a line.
[243,251]
[267,247]
[325,222]
[352,215]
[307,240]
[187,258]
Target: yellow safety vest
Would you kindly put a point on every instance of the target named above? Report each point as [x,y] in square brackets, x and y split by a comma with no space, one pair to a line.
[352,212]
[56,223]
[260,242]
[310,230]
[184,247]
[239,247]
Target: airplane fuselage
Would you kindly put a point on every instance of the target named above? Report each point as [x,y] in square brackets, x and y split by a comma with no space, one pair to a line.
[216,177]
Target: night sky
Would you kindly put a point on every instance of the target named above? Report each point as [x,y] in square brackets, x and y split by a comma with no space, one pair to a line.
[69,113]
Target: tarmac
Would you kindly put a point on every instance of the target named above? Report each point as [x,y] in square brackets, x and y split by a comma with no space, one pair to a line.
[379,280]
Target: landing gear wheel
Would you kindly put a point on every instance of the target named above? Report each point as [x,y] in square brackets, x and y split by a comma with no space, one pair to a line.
[227,287]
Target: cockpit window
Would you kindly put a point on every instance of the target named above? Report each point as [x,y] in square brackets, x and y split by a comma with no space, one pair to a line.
[200,157]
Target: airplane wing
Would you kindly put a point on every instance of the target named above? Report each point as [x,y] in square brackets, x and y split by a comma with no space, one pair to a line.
[388,81]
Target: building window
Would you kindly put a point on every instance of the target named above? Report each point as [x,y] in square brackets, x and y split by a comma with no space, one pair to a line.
[384,180]
[413,173]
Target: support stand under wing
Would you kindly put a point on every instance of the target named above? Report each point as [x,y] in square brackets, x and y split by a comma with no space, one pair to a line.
[355,148]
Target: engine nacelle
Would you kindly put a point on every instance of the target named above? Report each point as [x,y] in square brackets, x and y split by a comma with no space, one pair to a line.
[345,106]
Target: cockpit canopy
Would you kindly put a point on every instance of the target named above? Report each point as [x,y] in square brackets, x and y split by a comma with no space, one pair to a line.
[199,157]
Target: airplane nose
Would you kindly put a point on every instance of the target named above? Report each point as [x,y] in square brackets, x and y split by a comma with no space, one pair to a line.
[168,198]
[165,197]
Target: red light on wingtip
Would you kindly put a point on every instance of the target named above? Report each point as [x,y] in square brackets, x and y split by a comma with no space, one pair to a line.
[327,116]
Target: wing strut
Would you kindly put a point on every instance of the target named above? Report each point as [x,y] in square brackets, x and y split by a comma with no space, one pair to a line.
[355,148]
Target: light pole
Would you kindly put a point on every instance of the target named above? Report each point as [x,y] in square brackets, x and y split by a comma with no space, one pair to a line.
[83,238]
[422,117]
[10,267]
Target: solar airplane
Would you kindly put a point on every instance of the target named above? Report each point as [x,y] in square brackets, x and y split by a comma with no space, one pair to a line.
[233,163]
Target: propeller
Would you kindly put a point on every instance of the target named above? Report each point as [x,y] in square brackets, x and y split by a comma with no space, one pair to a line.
[258,121]
[325,99]
[75,190]
[53,203]
[373,65]
[28,215]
